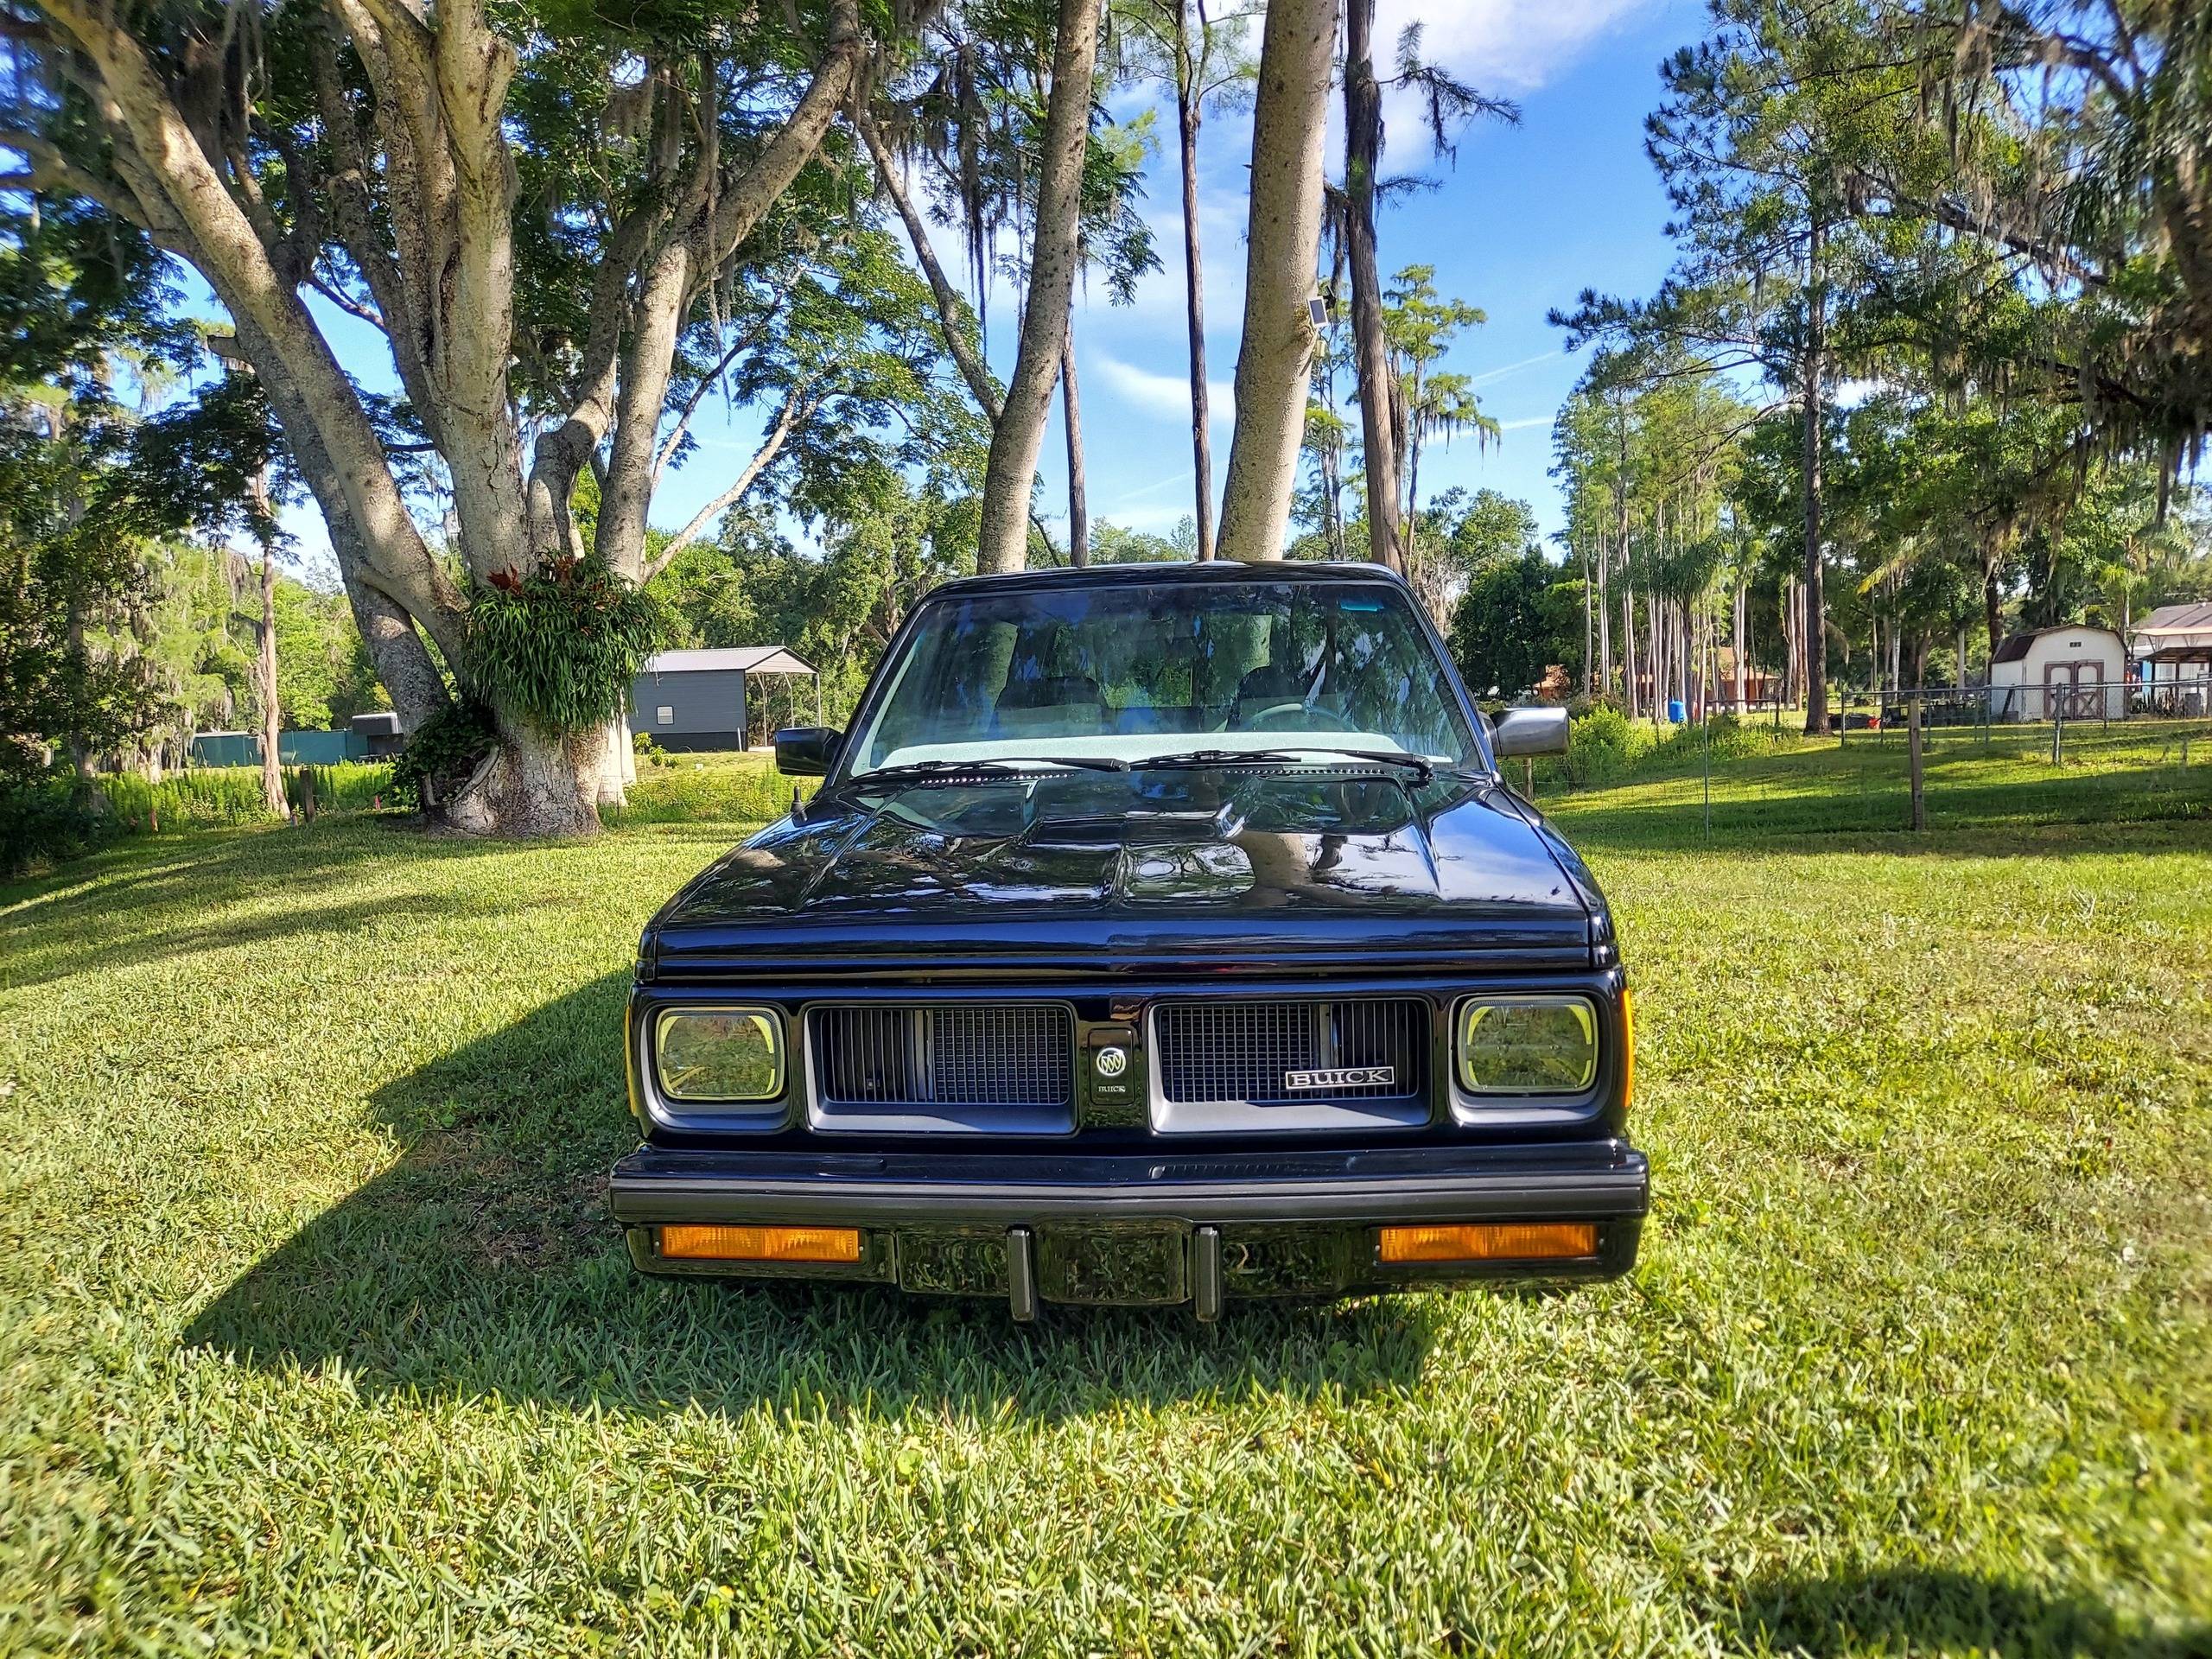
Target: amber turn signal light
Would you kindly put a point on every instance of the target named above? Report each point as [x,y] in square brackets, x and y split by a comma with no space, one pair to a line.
[760,1243]
[1514,1241]
[1628,1049]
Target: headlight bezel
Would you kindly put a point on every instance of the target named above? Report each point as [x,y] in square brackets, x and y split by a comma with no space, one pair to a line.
[767,1018]
[1483,1095]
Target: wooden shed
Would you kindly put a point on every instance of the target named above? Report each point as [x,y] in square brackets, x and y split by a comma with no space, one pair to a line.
[2077,673]
[700,699]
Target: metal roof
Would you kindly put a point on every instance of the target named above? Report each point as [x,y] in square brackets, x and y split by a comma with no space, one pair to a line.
[2015,645]
[746,659]
[2176,630]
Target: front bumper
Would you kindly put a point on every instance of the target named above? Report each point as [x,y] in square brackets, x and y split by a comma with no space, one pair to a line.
[1137,1228]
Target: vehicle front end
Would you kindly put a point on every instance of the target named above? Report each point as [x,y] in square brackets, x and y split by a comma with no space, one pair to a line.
[1113,1024]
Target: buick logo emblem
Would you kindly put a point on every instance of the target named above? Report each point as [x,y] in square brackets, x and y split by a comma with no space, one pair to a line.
[1342,1077]
[1112,1062]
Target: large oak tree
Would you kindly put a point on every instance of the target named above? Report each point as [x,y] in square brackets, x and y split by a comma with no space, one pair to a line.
[433,173]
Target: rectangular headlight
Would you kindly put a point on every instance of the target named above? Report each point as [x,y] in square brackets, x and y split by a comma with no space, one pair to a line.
[1527,1045]
[720,1054]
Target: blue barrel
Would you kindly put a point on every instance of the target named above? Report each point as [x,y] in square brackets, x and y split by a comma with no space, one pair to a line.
[1674,710]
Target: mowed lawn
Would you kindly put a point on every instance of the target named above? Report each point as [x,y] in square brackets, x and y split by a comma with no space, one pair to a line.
[313,1337]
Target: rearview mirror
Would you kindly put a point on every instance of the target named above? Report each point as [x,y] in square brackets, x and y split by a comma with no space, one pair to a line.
[807,750]
[1530,731]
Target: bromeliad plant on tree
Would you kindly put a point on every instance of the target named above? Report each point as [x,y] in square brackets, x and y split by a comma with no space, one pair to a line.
[559,646]
[555,650]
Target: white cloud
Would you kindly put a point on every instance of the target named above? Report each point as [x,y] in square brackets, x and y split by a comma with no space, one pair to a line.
[1166,396]
[1502,46]
[1523,425]
[1489,375]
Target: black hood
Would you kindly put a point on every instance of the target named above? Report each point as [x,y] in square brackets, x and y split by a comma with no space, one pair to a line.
[1085,872]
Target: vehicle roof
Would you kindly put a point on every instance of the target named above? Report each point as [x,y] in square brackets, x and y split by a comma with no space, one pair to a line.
[1200,572]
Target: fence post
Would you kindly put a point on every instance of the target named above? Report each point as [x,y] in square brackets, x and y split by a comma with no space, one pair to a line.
[2058,735]
[1912,757]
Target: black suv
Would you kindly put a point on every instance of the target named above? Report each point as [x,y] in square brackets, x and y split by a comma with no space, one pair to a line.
[1159,933]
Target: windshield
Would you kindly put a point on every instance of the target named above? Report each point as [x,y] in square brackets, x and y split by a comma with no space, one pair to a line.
[1140,672]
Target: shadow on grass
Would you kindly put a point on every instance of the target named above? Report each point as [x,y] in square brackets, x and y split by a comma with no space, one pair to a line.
[483,1264]
[146,899]
[1934,1610]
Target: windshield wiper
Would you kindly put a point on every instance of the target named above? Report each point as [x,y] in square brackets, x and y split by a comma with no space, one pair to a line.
[918,772]
[1422,768]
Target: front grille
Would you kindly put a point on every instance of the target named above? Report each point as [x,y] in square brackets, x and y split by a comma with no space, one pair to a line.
[1007,1054]
[1244,1053]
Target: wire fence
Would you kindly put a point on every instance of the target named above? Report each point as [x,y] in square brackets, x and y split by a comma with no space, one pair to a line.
[2086,754]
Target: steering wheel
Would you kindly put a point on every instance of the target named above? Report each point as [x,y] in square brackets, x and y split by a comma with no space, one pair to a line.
[1296,717]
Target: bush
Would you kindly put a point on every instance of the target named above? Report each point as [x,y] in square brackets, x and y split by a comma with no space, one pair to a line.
[442,753]
[43,824]
[1600,745]
[348,787]
[706,792]
[198,797]
[208,798]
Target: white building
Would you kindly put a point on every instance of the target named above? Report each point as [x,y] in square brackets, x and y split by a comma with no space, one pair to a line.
[2174,645]
[2079,673]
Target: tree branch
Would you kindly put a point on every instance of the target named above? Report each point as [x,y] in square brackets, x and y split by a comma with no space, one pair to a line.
[951,323]
[691,403]
[754,192]
[177,172]
[795,410]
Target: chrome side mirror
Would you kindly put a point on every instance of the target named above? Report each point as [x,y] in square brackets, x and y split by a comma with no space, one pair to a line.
[1530,731]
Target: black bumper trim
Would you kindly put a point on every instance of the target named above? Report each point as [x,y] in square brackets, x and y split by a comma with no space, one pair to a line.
[655,1186]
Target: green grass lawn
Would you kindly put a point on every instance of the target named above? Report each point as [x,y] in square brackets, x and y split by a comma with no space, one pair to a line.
[1996,778]
[313,1337]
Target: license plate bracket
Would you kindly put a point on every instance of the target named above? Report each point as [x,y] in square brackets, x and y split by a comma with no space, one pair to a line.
[1121,1263]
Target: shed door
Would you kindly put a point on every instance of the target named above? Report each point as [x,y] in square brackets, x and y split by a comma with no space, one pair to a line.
[2071,690]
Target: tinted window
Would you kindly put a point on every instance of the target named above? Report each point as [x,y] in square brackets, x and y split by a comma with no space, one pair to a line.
[1135,671]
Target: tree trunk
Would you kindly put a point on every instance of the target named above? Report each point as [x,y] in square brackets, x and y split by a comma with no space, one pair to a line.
[1739,642]
[617,765]
[1817,687]
[1605,617]
[1078,497]
[1657,656]
[1630,691]
[1187,117]
[1332,492]
[273,722]
[1011,473]
[1589,637]
[1410,521]
[1276,360]
[533,785]
[1370,352]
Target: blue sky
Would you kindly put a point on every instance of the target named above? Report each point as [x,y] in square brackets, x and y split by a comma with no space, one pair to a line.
[1527,218]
